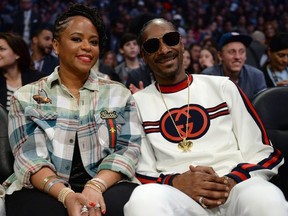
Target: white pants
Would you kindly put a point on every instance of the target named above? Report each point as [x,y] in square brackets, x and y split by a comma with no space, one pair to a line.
[252,197]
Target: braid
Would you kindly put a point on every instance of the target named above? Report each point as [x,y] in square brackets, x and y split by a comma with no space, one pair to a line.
[81,10]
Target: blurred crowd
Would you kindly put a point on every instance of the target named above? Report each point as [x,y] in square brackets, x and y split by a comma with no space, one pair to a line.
[201,24]
[198,21]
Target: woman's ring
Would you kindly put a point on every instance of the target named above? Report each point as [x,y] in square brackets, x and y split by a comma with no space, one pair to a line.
[201,202]
[97,206]
[84,209]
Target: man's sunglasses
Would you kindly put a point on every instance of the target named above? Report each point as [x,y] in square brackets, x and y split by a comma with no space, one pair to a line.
[170,39]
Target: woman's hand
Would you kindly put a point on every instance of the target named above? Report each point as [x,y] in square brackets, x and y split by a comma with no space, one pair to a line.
[96,201]
[74,203]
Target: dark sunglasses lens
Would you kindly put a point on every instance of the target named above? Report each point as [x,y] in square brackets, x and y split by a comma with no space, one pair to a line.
[151,45]
[171,38]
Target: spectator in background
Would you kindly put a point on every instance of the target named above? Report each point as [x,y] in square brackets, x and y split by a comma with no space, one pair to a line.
[256,51]
[187,61]
[6,15]
[26,20]
[109,58]
[208,57]
[129,49]
[194,50]
[15,66]
[270,29]
[179,23]
[41,50]
[276,68]
[118,28]
[232,55]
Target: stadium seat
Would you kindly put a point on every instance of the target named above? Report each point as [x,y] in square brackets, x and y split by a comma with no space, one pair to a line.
[6,157]
[272,107]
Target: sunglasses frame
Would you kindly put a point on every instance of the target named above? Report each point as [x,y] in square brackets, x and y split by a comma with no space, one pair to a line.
[164,41]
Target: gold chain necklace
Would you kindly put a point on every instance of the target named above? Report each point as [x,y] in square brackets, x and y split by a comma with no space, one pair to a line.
[185,145]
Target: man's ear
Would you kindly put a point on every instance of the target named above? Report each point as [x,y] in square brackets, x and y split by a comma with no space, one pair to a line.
[34,40]
[219,53]
[121,51]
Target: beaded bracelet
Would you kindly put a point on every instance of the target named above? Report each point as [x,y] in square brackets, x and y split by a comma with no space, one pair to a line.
[63,194]
[55,181]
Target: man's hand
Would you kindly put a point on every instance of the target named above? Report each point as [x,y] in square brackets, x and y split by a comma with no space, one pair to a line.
[203,182]
[134,89]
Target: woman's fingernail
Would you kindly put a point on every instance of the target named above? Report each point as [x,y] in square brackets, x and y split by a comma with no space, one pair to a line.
[92,204]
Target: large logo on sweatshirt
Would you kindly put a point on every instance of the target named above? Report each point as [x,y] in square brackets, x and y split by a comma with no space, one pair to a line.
[198,123]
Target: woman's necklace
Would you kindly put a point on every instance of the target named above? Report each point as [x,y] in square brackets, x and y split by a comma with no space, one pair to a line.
[185,145]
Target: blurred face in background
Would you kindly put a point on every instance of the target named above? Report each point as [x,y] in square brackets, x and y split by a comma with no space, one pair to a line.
[44,42]
[110,59]
[206,59]
[7,56]
[130,49]
[195,52]
[278,60]
[186,59]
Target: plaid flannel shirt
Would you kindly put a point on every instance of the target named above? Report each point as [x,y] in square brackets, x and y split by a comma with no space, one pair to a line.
[44,119]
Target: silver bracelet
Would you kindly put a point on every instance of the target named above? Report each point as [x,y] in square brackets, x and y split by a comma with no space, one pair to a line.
[55,181]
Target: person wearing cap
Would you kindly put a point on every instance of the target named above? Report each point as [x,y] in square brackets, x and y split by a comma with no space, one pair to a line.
[276,69]
[232,54]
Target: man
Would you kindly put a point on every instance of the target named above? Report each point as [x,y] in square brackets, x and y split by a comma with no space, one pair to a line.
[199,158]
[41,47]
[194,50]
[256,52]
[26,20]
[276,69]
[129,49]
[232,54]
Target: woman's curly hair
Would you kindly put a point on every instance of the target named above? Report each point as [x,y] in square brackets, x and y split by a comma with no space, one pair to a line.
[81,10]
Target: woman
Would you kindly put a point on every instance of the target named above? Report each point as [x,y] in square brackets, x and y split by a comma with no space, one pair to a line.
[208,57]
[73,129]
[15,66]
[276,68]
[187,61]
[109,58]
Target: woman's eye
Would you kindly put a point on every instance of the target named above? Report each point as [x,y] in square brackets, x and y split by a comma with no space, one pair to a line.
[76,39]
[94,42]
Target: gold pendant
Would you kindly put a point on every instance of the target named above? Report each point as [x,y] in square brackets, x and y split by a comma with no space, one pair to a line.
[185,145]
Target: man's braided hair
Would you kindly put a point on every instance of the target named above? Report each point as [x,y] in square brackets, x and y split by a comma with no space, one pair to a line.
[81,10]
